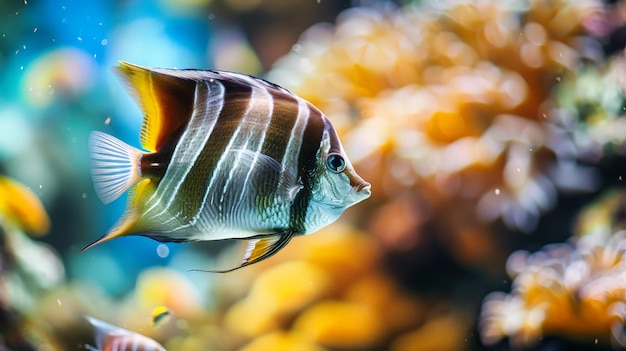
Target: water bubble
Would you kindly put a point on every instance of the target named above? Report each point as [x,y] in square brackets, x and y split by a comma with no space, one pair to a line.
[182,324]
[497,191]
[163,251]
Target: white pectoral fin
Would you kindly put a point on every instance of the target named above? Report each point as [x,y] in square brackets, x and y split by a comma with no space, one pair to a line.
[259,249]
[267,168]
[114,166]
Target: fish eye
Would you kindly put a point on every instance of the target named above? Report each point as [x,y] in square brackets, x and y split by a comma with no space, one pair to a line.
[335,163]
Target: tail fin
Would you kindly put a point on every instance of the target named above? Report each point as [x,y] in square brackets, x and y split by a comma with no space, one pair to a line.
[114,166]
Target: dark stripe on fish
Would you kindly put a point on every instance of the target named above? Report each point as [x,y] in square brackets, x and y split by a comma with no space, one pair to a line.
[298,210]
[155,164]
[277,136]
[312,139]
[279,131]
[236,99]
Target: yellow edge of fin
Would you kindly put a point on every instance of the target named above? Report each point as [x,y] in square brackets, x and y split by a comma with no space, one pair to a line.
[129,221]
[259,249]
[116,232]
[140,78]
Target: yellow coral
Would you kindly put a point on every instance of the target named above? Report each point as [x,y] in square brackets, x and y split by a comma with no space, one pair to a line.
[22,207]
[278,293]
[168,288]
[443,333]
[282,341]
[576,290]
[341,324]
[423,93]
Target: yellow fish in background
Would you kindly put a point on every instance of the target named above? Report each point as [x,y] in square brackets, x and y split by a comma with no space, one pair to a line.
[112,338]
[159,314]
[22,207]
[229,156]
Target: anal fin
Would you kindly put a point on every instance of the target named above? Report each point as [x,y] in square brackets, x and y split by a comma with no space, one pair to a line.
[259,249]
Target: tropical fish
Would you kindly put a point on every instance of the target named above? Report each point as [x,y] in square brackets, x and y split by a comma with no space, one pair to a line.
[159,314]
[112,338]
[229,156]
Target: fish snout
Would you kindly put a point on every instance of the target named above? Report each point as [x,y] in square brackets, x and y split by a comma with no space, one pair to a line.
[363,190]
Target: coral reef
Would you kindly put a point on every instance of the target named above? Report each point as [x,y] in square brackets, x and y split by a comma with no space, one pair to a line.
[455,104]
[572,289]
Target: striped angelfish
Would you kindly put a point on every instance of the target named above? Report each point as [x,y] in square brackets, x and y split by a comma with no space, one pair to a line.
[229,156]
[112,338]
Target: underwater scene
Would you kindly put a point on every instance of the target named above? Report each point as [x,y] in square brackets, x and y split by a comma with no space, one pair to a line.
[434,175]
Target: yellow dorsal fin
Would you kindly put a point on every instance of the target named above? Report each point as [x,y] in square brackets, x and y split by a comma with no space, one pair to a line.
[166,99]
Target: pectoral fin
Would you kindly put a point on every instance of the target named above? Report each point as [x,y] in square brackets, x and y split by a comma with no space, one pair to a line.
[259,249]
[268,170]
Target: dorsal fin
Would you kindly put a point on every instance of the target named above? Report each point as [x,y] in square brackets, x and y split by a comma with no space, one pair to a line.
[167,96]
[166,99]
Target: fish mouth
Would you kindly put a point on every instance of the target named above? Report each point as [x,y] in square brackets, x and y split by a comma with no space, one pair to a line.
[363,190]
[359,193]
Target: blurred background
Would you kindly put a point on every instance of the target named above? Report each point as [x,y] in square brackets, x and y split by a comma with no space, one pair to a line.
[493,133]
